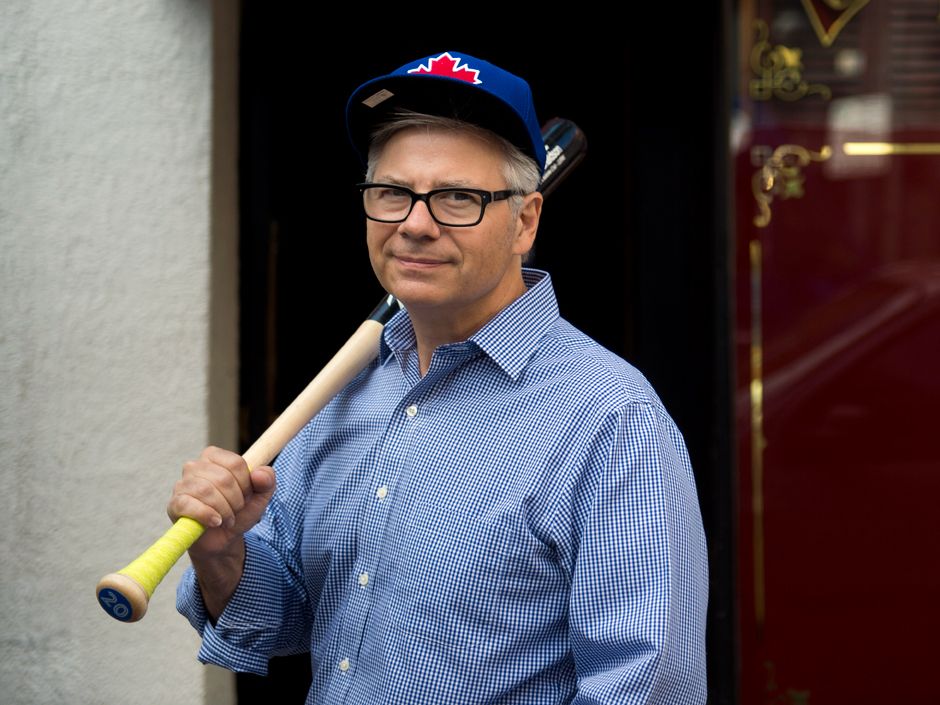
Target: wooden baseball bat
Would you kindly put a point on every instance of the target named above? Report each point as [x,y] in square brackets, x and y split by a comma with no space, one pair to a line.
[125,594]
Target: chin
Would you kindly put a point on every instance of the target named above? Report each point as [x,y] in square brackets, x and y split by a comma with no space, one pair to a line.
[416,286]
[419,297]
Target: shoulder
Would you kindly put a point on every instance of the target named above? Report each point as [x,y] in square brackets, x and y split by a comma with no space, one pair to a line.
[570,359]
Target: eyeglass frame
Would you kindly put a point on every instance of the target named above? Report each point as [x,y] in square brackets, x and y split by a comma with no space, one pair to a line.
[486,196]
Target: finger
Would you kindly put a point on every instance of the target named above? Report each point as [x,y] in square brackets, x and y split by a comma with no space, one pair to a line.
[228,471]
[214,486]
[233,462]
[196,499]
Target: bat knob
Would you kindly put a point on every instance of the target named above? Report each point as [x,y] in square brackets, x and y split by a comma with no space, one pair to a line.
[122,597]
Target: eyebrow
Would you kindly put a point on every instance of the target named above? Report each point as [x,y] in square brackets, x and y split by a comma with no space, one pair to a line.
[449,183]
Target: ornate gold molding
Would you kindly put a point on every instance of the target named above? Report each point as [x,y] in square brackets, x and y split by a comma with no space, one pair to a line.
[881,149]
[758,440]
[847,9]
[781,174]
[779,70]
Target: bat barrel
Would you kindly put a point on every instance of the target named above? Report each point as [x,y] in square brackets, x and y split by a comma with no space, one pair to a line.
[565,147]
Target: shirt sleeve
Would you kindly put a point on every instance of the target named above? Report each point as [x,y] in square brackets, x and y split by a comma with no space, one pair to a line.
[268,613]
[640,583]
[262,619]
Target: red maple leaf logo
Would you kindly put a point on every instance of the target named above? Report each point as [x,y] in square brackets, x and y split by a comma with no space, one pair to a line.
[447,65]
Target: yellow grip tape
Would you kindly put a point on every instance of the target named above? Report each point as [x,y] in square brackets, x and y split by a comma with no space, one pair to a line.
[152,565]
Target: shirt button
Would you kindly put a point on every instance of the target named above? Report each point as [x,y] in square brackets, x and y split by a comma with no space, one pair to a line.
[411,411]
[363,579]
[382,492]
[344,665]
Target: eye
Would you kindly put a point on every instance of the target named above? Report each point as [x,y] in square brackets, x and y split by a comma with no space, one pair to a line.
[392,195]
[459,199]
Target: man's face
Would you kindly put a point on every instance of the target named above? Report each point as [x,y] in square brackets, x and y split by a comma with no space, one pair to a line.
[462,275]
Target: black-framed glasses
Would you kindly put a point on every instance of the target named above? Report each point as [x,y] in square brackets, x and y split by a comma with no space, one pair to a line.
[452,207]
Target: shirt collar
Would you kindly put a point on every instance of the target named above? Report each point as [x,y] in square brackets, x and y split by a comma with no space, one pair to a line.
[509,339]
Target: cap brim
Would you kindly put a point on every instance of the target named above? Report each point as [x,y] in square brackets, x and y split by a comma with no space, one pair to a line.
[447,97]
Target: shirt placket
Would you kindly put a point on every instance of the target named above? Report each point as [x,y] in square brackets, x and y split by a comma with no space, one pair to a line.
[391,466]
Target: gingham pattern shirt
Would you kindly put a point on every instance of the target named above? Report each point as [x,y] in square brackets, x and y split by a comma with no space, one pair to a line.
[520,525]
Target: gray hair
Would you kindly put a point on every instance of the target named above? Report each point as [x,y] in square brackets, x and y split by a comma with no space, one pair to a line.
[520,171]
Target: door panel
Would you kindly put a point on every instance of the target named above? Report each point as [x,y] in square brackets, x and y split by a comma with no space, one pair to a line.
[836,144]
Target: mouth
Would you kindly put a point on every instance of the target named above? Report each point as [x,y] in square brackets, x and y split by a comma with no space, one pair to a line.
[415,262]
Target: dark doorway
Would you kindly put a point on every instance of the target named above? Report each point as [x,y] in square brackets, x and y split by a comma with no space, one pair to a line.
[636,239]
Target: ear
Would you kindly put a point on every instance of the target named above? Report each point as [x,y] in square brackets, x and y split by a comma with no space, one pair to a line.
[527,223]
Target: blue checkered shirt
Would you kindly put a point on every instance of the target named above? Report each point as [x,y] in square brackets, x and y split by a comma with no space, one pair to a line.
[520,525]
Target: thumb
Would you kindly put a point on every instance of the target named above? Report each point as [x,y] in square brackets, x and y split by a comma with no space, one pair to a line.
[262,480]
[262,486]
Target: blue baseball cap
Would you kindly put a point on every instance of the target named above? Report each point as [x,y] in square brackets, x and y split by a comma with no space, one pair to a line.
[454,85]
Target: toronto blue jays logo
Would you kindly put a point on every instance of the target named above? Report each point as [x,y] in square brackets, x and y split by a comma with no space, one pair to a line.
[448,66]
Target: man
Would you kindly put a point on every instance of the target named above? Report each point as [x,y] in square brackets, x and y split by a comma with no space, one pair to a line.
[497,510]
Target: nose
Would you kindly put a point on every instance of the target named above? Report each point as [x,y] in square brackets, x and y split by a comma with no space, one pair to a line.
[419,222]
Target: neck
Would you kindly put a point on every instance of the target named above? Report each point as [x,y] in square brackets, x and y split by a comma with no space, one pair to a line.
[434,328]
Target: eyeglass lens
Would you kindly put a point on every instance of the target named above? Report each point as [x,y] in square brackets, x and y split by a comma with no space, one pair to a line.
[448,207]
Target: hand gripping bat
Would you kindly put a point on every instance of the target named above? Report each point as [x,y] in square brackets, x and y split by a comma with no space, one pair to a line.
[125,594]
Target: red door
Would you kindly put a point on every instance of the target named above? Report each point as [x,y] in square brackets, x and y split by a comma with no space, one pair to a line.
[836,143]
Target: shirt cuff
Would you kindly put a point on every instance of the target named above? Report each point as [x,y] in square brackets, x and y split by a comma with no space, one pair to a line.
[245,635]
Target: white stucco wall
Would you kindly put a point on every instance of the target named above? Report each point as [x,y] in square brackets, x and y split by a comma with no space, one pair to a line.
[106,290]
